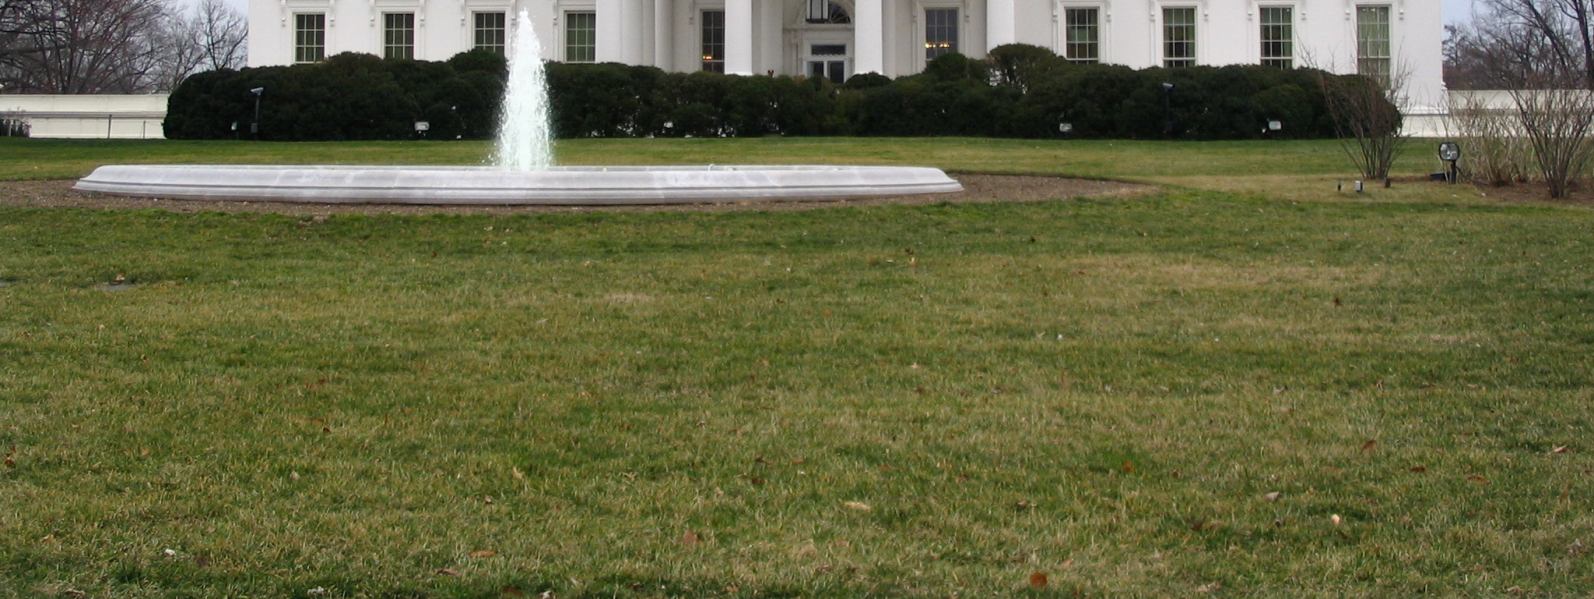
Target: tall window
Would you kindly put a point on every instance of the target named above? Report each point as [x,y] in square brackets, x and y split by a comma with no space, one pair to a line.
[398,35]
[1082,29]
[581,37]
[489,32]
[309,37]
[940,32]
[714,41]
[1178,37]
[1372,42]
[1278,37]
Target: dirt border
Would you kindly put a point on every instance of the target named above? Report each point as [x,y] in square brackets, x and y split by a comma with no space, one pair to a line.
[976,189]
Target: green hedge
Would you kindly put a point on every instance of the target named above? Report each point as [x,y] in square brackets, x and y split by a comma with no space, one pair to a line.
[1019,91]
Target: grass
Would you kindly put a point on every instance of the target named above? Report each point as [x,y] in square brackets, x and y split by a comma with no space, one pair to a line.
[888,400]
[1138,160]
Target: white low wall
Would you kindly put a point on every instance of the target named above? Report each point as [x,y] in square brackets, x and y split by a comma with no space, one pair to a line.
[88,116]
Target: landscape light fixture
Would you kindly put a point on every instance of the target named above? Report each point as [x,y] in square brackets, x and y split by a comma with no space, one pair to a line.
[254,127]
[1450,152]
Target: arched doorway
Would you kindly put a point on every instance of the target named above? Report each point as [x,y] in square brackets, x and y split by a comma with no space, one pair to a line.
[823,35]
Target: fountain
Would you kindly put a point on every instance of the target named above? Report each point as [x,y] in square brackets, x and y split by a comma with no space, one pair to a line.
[524,143]
[522,172]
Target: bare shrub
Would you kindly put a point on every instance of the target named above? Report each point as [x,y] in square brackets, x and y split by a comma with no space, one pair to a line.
[1557,123]
[1366,115]
[1496,153]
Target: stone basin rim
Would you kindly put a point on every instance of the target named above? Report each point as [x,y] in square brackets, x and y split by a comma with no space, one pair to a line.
[487,185]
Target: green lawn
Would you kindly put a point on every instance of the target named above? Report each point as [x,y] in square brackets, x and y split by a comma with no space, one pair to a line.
[890,400]
[1140,160]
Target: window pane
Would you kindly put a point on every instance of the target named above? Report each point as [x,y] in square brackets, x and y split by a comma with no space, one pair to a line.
[309,33]
[1082,42]
[581,37]
[713,40]
[1372,42]
[489,34]
[940,32]
[398,36]
[1278,36]
[1178,37]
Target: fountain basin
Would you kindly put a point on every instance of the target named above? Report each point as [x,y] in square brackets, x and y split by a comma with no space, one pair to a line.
[559,186]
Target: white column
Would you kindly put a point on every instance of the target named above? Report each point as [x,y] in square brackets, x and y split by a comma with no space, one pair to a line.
[738,37]
[611,31]
[1001,23]
[869,28]
[664,34]
[631,32]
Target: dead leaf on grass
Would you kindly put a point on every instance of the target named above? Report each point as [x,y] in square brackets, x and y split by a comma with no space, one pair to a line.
[690,538]
[1274,496]
[857,506]
[1038,580]
[447,572]
[483,553]
[1370,445]
[1559,449]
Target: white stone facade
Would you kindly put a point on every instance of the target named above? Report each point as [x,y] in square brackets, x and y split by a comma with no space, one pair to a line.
[893,37]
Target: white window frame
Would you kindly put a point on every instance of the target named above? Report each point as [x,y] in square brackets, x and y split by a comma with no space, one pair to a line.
[1162,32]
[415,32]
[1103,30]
[564,34]
[562,10]
[921,22]
[469,21]
[1356,42]
[293,48]
[694,23]
[379,9]
[287,10]
[1295,26]
[823,38]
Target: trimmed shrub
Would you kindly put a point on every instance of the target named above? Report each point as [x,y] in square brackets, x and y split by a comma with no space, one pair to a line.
[1018,91]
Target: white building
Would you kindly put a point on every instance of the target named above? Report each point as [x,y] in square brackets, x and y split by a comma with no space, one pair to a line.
[837,38]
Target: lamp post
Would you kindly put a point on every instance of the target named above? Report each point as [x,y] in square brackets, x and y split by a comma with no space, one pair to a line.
[254,127]
[1167,109]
